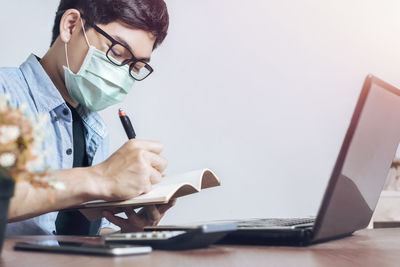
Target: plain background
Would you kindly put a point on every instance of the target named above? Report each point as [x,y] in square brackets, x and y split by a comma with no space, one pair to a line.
[260,91]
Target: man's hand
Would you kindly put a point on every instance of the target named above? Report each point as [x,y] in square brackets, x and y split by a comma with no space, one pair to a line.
[130,171]
[135,222]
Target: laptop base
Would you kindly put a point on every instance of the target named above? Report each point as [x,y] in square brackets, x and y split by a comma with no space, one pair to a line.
[290,237]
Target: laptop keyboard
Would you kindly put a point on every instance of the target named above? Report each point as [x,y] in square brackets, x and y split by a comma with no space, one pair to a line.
[274,222]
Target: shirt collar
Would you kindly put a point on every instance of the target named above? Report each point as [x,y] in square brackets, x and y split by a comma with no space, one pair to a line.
[47,97]
[93,120]
[45,94]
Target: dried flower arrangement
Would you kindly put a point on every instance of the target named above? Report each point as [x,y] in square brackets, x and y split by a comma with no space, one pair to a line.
[21,138]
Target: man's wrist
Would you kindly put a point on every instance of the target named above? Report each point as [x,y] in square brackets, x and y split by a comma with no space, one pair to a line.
[84,183]
[94,187]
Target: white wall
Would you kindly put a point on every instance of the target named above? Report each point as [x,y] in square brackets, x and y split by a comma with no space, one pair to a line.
[260,91]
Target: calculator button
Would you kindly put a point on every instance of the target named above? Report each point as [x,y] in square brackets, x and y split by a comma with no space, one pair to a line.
[141,235]
[148,235]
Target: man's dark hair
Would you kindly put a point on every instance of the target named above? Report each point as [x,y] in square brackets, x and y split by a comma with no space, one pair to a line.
[148,15]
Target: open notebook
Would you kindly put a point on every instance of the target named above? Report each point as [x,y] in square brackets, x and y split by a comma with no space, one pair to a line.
[170,187]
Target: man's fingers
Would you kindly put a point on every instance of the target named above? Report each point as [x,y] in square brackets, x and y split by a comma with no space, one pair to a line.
[123,223]
[158,165]
[152,146]
[155,176]
[164,207]
[156,161]
[129,211]
[115,210]
[152,213]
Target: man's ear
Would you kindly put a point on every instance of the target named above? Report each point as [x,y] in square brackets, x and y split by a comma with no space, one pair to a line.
[69,22]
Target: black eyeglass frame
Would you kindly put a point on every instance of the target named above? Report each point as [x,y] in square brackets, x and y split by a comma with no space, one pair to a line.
[133,60]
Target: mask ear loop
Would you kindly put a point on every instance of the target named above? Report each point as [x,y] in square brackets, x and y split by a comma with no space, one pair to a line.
[66,54]
[66,44]
[84,33]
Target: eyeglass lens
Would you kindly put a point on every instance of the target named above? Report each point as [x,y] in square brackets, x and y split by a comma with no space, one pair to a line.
[119,55]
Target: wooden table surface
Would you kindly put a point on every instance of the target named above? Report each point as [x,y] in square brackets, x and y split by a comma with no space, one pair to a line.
[373,247]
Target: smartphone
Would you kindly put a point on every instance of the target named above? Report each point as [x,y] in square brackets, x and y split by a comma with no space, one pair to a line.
[83,248]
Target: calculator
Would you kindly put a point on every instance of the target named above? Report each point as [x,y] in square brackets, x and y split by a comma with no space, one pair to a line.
[175,237]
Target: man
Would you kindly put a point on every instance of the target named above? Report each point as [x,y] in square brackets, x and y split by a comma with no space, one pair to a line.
[99,50]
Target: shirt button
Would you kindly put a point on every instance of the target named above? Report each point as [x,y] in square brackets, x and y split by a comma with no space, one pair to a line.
[69,151]
[56,118]
[65,111]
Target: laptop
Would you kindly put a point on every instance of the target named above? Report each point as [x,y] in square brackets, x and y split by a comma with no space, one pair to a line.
[356,181]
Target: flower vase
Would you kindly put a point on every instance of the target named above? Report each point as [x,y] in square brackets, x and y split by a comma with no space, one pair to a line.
[6,192]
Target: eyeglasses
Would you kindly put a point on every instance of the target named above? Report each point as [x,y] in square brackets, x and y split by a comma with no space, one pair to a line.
[120,55]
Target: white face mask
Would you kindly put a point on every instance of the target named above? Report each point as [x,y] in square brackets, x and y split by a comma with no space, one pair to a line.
[99,83]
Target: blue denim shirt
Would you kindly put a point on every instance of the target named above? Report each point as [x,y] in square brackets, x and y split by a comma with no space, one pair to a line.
[29,85]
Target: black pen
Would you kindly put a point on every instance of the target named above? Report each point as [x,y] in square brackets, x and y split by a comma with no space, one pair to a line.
[126,122]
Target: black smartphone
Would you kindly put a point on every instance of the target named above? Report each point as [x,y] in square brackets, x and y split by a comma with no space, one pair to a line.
[83,248]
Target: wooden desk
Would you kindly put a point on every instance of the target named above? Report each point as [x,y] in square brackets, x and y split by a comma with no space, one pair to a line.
[373,247]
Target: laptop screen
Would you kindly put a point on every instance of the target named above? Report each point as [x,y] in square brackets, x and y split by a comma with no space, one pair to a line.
[363,163]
